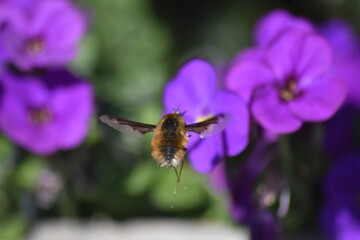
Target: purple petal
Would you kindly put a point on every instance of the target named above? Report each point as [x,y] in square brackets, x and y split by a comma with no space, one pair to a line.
[13,33]
[4,55]
[175,98]
[218,178]
[283,54]
[275,22]
[62,25]
[347,225]
[272,113]
[348,70]
[341,126]
[314,59]
[206,155]
[74,109]
[68,109]
[191,89]
[264,226]
[67,28]
[41,140]
[58,26]
[341,37]
[242,185]
[29,90]
[245,76]
[15,119]
[320,100]
[237,131]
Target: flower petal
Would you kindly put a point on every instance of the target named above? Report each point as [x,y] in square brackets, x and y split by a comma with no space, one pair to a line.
[349,71]
[272,113]
[245,76]
[67,28]
[283,53]
[192,88]
[237,131]
[275,22]
[44,118]
[74,106]
[264,226]
[218,178]
[205,156]
[341,37]
[320,100]
[315,58]
[16,121]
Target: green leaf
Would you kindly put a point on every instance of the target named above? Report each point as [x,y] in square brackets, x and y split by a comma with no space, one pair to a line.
[141,178]
[12,228]
[28,171]
[190,193]
[6,163]
[86,58]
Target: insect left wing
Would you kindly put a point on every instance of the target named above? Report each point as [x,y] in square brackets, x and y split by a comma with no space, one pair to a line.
[131,128]
[211,126]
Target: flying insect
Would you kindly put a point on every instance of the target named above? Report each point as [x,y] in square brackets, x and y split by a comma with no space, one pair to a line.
[168,145]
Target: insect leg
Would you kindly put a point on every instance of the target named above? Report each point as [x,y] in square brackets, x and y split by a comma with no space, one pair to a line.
[178,174]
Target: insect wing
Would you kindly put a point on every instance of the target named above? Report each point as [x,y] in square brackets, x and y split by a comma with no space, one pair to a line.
[211,126]
[134,129]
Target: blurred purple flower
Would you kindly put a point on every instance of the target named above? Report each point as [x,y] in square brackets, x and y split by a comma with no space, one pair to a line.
[291,84]
[341,215]
[245,205]
[19,4]
[346,47]
[194,90]
[48,187]
[268,28]
[44,33]
[242,185]
[341,126]
[264,226]
[48,113]
[4,56]
[275,22]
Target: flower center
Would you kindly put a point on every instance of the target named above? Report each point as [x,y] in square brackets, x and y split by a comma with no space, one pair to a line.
[40,116]
[288,92]
[35,45]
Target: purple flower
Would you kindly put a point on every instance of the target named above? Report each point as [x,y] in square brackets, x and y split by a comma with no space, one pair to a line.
[263,226]
[346,47]
[45,33]
[194,90]
[4,56]
[242,185]
[268,28]
[275,22]
[341,126]
[290,84]
[245,198]
[47,113]
[341,214]
[20,4]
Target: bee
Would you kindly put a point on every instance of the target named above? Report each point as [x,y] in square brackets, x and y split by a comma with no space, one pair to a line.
[168,145]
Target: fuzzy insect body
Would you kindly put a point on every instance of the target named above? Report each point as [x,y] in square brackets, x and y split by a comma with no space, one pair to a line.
[170,140]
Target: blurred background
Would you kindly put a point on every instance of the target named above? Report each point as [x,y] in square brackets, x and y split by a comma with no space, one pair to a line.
[130,50]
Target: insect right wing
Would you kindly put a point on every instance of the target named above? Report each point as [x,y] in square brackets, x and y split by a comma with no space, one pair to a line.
[131,128]
[211,126]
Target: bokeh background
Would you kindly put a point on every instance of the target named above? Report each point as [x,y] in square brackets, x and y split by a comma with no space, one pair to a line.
[130,50]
